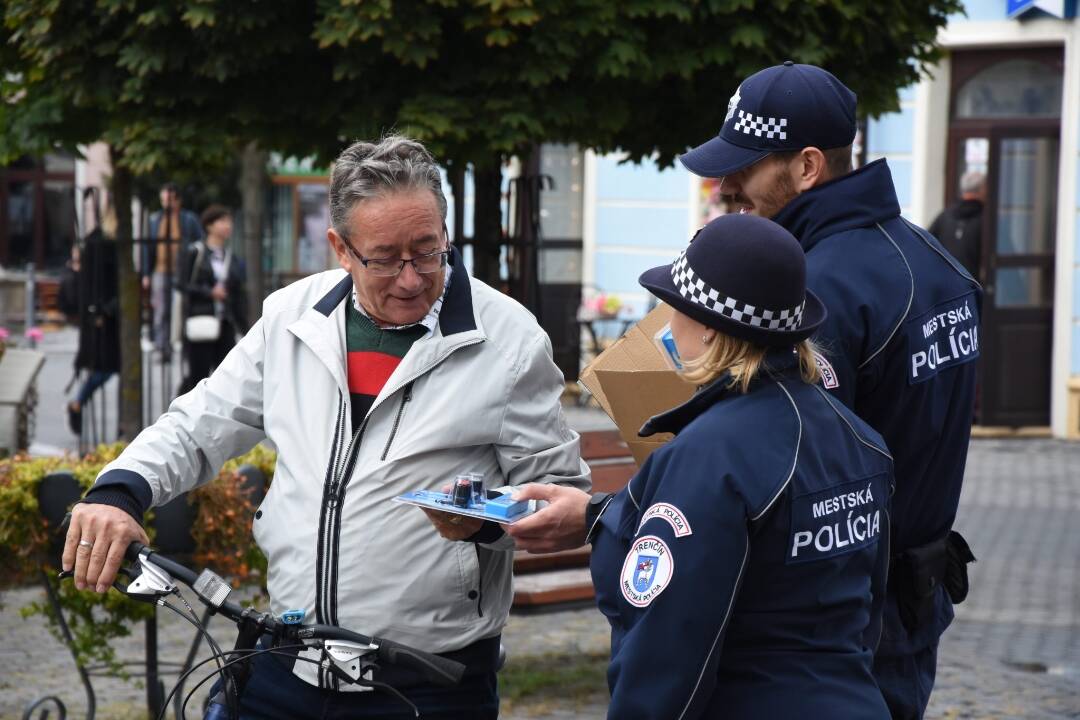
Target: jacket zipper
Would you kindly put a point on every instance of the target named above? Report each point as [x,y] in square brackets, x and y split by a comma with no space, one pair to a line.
[328,483]
[341,468]
[397,421]
[323,552]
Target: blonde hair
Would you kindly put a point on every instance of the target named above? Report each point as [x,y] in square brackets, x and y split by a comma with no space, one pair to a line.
[743,360]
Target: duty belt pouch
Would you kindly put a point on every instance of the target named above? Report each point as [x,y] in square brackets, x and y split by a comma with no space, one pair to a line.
[917,574]
[956,574]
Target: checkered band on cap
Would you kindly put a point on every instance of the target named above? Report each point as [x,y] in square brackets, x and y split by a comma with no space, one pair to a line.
[758,126]
[697,291]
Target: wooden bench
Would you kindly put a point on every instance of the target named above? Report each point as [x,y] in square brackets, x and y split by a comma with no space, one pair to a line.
[18,369]
[563,577]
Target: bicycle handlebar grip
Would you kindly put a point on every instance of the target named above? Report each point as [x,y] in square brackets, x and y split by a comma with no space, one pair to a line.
[133,550]
[178,571]
[438,670]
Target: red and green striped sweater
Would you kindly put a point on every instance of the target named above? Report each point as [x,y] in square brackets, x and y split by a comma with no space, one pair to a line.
[373,355]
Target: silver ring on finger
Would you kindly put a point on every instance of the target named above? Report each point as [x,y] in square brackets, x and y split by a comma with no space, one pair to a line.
[86,544]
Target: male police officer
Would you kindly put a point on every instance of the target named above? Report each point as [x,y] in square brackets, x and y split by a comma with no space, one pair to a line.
[900,343]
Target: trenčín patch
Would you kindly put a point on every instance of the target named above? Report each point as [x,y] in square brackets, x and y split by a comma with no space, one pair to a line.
[828,375]
[837,520]
[647,570]
[942,338]
[670,514]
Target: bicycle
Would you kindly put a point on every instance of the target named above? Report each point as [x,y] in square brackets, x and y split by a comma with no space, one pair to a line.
[349,656]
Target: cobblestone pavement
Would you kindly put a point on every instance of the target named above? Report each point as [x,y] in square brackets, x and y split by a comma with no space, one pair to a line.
[1013,651]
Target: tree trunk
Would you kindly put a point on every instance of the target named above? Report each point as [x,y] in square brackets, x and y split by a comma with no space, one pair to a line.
[253,194]
[487,222]
[131,420]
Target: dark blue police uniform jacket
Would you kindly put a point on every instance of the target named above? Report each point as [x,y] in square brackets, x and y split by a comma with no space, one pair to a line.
[736,568]
[900,343]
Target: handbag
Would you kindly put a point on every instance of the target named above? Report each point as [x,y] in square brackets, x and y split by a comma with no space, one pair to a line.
[202,328]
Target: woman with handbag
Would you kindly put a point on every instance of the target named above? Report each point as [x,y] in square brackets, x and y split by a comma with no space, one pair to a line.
[215,303]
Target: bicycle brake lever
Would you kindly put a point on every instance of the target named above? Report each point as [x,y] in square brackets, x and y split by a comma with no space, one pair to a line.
[347,659]
[152,582]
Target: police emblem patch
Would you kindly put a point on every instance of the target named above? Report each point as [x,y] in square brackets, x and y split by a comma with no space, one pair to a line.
[670,514]
[647,570]
[828,375]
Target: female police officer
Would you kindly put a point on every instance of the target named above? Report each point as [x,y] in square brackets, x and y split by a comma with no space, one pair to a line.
[740,566]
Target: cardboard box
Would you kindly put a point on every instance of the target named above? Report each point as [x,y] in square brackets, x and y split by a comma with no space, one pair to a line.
[632,382]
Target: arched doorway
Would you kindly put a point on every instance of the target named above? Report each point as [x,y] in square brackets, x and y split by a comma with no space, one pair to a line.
[1005,123]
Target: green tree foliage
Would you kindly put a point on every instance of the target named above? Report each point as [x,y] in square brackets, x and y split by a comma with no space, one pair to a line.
[176,84]
[477,77]
[183,84]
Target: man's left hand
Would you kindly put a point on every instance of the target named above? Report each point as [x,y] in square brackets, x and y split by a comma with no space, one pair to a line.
[453,526]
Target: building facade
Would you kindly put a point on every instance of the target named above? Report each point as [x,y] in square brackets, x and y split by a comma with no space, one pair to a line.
[1005,101]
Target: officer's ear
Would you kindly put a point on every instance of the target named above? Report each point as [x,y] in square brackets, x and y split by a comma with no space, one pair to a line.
[810,169]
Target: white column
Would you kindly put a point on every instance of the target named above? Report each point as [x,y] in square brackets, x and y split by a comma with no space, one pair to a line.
[1066,235]
[930,144]
[588,221]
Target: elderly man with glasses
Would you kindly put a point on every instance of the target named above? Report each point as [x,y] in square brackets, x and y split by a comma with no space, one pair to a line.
[397,373]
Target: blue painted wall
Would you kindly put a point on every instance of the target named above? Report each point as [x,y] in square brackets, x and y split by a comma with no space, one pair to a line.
[642,220]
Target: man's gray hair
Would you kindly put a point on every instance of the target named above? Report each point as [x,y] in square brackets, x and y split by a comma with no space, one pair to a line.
[369,170]
[972,182]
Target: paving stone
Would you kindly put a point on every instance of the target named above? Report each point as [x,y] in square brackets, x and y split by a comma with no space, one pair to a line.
[1012,652]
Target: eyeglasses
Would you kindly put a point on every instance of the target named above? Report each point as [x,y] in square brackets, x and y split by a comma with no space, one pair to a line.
[392,267]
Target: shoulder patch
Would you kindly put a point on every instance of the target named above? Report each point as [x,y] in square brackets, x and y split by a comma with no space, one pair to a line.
[828,375]
[670,514]
[837,520]
[647,571]
[942,338]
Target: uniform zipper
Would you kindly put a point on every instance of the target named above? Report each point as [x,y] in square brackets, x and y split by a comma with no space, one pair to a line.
[397,421]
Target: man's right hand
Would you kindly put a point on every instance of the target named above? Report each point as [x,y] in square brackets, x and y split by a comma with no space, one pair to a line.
[146,282]
[97,539]
[559,526]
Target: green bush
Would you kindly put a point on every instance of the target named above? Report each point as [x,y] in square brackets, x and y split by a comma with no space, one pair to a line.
[221,530]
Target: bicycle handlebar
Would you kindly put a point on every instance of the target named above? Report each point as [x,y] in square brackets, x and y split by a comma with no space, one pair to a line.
[434,668]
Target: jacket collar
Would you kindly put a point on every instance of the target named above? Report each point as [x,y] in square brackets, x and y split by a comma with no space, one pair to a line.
[860,198]
[457,311]
[322,328]
[780,362]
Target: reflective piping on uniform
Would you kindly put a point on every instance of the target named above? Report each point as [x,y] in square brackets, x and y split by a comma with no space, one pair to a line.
[856,435]
[794,461]
[630,492]
[953,262]
[911,299]
[731,604]
[888,567]
[599,515]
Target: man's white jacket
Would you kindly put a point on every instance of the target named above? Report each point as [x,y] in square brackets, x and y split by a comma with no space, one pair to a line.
[479,393]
